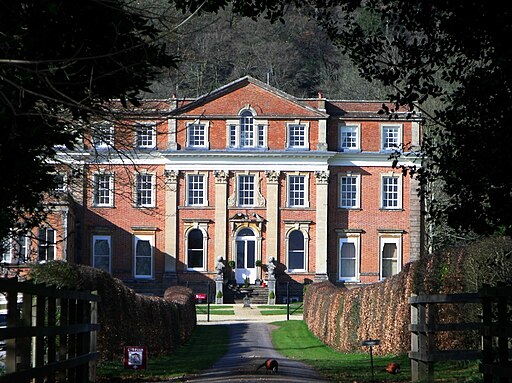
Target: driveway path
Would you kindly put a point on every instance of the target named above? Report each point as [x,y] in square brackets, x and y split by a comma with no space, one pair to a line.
[250,345]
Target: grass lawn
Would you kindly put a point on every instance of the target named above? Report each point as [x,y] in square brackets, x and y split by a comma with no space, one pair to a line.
[295,309]
[294,340]
[215,309]
[207,345]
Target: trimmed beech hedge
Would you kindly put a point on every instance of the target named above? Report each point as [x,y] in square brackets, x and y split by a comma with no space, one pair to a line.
[342,317]
[127,318]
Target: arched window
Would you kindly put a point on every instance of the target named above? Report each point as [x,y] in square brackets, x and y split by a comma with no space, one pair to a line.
[296,254]
[246,129]
[246,132]
[195,251]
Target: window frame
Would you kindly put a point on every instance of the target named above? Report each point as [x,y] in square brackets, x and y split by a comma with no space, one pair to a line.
[204,249]
[6,247]
[305,191]
[106,138]
[139,134]
[305,238]
[204,189]
[239,197]
[357,204]
[305,135]
[96,189]
[390,238]
[355,239]
[61,187]
[139,191]
[94,256]
[21,247]
[341,128]
[259,132]
[190,144]
[143,237]
[384,137]
[47,244]
[384,192]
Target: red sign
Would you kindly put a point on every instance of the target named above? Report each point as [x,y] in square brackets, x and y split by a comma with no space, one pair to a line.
[200,297]
[135,357]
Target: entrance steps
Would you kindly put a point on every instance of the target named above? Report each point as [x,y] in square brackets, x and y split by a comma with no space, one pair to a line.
[257,294]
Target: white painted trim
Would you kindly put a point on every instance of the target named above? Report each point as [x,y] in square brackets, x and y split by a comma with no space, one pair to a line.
[204,230]
[306,189]
[354,238]
[400,201]
[358,190]
[395,238]
[306,135]
[205,187]
[109,240]
[143,237]
[304,229]
[342,125]
[206,125]
[400,136]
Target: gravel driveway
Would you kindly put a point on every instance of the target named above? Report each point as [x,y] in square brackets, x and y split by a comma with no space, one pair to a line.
[250,345]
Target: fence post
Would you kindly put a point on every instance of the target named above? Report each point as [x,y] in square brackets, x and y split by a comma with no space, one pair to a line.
[503,338]
[414,342]
[39,353]
[12,318]
[52,339]
[421,342]
[486,336]
[93,339]
[63,339]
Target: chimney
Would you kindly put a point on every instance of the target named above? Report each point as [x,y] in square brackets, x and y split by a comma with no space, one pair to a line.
[321,101]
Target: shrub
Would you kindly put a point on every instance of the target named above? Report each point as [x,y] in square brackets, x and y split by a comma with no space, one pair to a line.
[126,318]
[342,318]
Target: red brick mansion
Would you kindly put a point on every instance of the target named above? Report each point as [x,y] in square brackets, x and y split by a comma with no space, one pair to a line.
[245,173]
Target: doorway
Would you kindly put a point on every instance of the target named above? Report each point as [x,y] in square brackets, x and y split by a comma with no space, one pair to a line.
[245,256]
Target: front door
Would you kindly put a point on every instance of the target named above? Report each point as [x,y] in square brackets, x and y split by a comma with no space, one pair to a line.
[245,256]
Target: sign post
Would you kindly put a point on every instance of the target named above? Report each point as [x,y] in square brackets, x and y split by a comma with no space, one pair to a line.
[135,357]
[371,343]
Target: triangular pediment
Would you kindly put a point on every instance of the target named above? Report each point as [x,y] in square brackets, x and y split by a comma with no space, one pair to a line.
[244,93]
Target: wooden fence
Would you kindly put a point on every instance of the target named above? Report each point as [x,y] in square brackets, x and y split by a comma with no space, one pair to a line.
[423,329]
[495,330]
[50,334]
[496,333]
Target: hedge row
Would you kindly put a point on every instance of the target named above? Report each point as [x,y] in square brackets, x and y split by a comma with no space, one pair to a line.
[127,318]
[342,317]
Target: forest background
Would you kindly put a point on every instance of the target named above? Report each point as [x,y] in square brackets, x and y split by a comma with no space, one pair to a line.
[295,56]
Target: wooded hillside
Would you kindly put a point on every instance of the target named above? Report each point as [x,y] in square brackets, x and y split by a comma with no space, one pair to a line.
[296,57]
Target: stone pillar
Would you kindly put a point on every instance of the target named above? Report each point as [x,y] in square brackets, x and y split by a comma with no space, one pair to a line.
[271,267]
[171,223]
[322,135]
[221,219]
[271,291]
[219,280]
[172,127]
[272,235]
[417,227]
[322,194]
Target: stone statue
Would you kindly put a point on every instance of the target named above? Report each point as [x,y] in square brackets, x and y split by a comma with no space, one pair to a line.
[271,268]
[219,267]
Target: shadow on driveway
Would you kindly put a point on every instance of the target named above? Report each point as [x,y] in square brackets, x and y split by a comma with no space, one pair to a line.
[250,345]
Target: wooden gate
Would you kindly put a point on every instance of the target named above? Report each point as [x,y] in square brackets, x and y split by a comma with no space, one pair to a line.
[50,333]
[423,327]
[495,330]
[496,333]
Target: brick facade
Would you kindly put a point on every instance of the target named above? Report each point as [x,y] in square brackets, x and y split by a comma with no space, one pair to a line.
[245,173]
